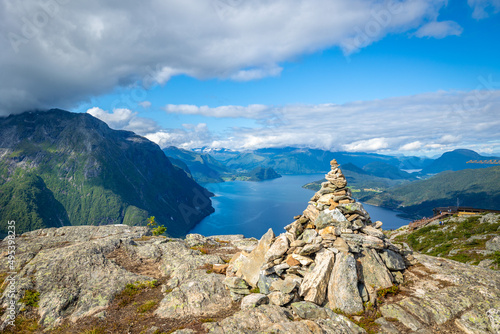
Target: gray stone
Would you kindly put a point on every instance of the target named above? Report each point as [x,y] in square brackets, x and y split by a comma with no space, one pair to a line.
[397,312]
[493,244]
[250,268]
[331,218]
[308,310]
[353,208]
[373,271]
[285,286]
[305,261]
[254,300]
[343,290]
[278,249]
[297,243]
[280,268]
[309,235]
[393,260]
[310,249]
[311,212]
[295,228]
[264,283]
[235,283]
[387,327]
[363,240]
[279,298]
[373,232]
[315,283]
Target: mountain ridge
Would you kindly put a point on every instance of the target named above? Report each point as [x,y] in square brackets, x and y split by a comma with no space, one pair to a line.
[99,175]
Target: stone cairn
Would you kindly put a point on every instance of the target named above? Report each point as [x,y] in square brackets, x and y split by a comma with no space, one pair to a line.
[331,255]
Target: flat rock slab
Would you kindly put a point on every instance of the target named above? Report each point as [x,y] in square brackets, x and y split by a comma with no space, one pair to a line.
[343,292]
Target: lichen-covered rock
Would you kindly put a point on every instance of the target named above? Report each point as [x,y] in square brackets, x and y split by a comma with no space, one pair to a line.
[279,298]
[201,296]
[343,290]
[278,249]
[373,271]
[493,244]
[254,300]
[393,260]
[331,218]
[250,268]
[315,283]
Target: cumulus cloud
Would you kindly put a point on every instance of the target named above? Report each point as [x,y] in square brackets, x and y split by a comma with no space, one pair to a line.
[483,7]
[125,119]
[439,29]
[418,124]
[190,136]
[60,52]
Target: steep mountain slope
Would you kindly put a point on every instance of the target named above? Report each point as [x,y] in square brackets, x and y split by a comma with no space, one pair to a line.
[478,188]
[203,167]
[382,169]
[59,168]
[456,160]
[260,174]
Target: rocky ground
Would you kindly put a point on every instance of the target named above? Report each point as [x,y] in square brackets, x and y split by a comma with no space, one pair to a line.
[332,271]
[469,239]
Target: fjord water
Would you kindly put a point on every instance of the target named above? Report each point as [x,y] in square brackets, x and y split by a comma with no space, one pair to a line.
[251,208]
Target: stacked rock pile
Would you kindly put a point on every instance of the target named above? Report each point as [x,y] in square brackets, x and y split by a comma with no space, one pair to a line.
[331,254]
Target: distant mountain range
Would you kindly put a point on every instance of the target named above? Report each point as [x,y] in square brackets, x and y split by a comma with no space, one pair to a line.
[456,160]
[204,168]
[60,168]
[479,188]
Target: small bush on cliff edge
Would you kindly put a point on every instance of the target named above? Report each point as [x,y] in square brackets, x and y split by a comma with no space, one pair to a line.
[155,228]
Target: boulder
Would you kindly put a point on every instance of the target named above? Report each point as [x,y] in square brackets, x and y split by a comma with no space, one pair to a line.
[493,244]
[278,249]
[311,212]
[370,230]
[250,268]
[310,249]
[331,218]
[363,240]
[393,260]
[254,300]
[279,298]
[315,283]
[343,290]
[309,236]
[285,286]
[308,310]
[373,271]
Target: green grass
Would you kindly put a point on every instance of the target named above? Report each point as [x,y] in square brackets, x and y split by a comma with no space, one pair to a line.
[454,236]
[147,306]
[31,298]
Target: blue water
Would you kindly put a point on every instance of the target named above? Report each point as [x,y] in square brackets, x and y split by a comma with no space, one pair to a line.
[251,208]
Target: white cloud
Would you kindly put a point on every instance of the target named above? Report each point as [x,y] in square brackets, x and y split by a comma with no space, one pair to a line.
[190,136]
[145,104]
[118,119]
[482,8]
[125,119]
[439,29]
[413,146]
[254,111]
[59,53]
[419,124]
[370,145]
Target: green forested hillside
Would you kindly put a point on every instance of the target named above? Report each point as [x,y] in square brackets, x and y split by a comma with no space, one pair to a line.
[59,168]
[478,188]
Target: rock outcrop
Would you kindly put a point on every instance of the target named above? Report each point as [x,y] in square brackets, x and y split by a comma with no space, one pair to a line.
[335,273]
[333,251]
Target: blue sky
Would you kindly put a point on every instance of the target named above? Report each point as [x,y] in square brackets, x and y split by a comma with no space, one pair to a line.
[410,77]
